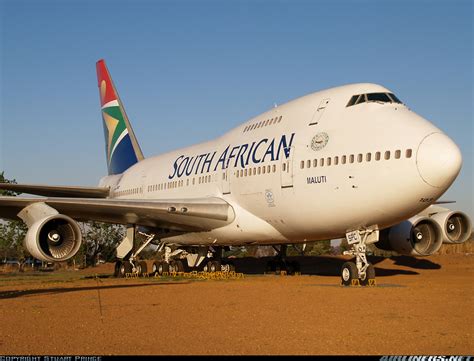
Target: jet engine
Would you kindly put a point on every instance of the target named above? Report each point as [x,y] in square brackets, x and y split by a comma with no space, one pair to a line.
[417,236]
[455,225]
[51,236]
[54,239]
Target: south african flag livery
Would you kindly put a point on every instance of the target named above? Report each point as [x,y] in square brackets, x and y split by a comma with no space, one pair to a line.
[121,146]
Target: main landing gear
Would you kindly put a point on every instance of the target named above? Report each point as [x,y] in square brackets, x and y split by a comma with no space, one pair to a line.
[280,264]
[132,265]
[361,272]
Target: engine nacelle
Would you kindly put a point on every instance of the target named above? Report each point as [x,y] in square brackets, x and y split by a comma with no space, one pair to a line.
[417,236]
[51,236]
[54,239]
[455,225]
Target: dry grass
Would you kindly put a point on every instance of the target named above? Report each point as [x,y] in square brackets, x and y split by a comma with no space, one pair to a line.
[463,248]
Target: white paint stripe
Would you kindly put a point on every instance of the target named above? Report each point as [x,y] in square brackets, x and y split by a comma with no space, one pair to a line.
[112,103]
[124,133]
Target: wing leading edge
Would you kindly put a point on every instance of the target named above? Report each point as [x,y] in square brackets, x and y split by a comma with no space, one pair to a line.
[184,215]
[57,191]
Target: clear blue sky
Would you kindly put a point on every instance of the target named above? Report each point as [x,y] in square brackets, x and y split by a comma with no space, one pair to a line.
[188,71]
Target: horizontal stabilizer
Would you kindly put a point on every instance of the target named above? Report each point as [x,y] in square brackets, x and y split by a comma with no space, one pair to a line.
[57,191]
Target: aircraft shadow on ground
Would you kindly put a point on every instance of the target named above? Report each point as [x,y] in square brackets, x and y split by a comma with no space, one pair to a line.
[58,290]
[331,266]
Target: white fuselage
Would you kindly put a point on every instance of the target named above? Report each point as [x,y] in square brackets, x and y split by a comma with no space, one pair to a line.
[282,192]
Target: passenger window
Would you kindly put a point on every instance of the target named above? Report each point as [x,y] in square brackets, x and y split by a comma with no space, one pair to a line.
[368,157]
[245,172]
[408,153]
[387,155]
[315,163]
[274,168]
[308,163]
[321,162]
[351,158]
[377,156]
[279,119]
[254,171]
[283,167]
[397,154]
[259,170]
[268,168]
[263,170]
[301,165]
[336,160]
[328,161]
[359,158]
[343,159]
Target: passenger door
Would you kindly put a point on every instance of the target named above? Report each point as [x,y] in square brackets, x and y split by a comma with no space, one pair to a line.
[286,170]
[319,111]
[225,181]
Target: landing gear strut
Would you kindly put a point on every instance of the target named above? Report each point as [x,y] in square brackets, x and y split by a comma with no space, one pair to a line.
[280,264]
[361,272]
[132,265]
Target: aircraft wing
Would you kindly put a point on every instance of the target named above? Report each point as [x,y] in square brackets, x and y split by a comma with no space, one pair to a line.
[184,215]
[57,191]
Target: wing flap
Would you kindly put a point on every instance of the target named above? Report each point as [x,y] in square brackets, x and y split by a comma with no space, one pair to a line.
[57,191]
[201,214]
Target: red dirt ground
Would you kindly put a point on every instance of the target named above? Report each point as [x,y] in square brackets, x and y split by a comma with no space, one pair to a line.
[420,306]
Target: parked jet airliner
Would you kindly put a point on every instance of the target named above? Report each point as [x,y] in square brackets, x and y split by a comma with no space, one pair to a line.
[351,161]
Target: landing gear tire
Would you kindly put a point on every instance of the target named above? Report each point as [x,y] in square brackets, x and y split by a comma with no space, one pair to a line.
[160,267]
[228,267]
[125,268]
[154,268]
[142,268]
[117,268]
[213,266]
[348,273]
[163,268]
[369,278]
[176,266]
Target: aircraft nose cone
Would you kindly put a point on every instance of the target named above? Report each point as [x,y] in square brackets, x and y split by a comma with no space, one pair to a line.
[438,160]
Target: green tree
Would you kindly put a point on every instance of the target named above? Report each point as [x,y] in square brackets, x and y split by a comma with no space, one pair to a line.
[12,232]
[99,239]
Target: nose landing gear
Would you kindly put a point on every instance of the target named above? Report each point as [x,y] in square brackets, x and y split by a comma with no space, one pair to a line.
[361,272]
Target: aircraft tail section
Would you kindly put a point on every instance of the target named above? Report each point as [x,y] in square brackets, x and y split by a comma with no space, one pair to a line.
[121,146]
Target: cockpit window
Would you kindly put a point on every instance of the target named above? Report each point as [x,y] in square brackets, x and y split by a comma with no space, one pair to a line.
[352,100]
[394,98]
[373,97]
[361,99]
[378,97]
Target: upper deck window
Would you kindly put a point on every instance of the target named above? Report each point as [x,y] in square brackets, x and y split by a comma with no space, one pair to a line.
[373,97]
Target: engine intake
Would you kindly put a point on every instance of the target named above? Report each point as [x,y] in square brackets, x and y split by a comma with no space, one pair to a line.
[51,236]
[417,236]
[456,226]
